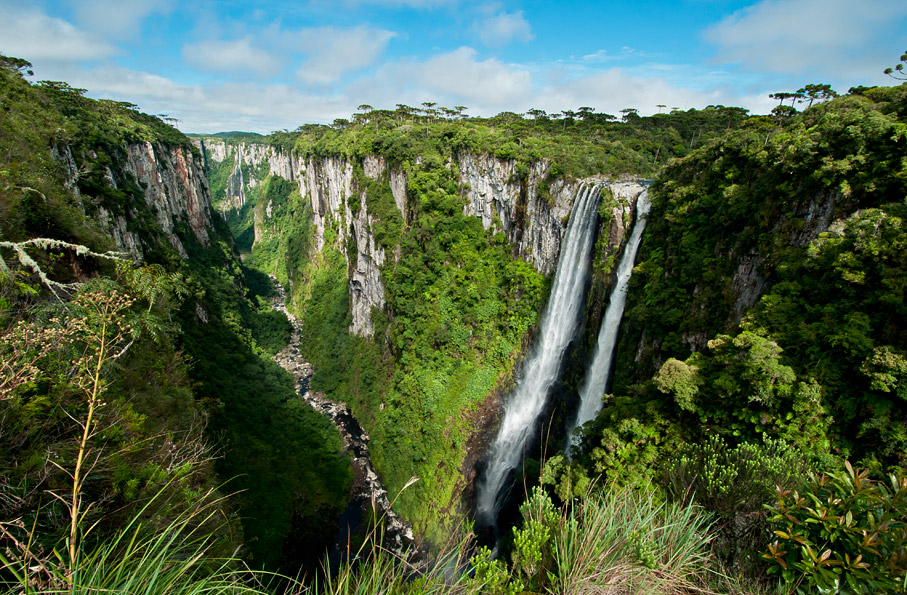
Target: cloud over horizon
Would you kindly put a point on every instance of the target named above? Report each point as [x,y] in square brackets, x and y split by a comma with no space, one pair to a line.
[231,57]
[35,36]
[500,29]
[803,36]
[280,65]
[334,52]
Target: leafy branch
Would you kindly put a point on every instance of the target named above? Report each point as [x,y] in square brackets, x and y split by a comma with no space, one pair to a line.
[50,244]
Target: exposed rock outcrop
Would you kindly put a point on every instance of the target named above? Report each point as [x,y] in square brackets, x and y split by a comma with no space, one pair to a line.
[175,190]
[531,210]
[256,157]
[530,213]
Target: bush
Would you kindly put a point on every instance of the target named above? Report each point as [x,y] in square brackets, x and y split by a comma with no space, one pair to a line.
[844,534]
[734,480]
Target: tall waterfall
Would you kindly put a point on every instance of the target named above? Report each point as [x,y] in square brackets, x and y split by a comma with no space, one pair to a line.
[596,380]
[541,367]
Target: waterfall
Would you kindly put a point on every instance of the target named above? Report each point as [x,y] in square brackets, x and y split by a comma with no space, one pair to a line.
[541,367]
[596,380]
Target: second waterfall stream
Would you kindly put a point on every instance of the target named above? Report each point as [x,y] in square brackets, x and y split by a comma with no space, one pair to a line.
[542,366]
[596,380]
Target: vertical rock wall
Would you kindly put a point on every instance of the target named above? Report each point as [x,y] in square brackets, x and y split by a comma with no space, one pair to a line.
[175,190]
[531,210]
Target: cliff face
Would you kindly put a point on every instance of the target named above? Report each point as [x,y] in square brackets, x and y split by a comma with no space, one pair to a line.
[173,186]
[328,184]
[257,159]
[351,236]
[528,208]
[534,224]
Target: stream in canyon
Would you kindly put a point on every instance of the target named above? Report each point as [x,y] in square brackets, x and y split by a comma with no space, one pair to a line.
[367,494]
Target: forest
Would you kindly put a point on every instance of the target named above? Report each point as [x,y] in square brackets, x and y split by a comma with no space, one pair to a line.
[752,439]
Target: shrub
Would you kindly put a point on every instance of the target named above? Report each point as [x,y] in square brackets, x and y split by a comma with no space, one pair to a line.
[844,533]
[733,480]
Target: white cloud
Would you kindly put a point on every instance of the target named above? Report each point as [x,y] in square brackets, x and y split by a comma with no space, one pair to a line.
[119,19]
[208,108]
[451,78]
[237,56]
[799,36]
[34,36]
[500,29]
[604,56]
[333,52]
[454,78]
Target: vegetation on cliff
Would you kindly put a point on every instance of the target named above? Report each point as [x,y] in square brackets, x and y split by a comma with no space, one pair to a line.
[459,306]
[191,401]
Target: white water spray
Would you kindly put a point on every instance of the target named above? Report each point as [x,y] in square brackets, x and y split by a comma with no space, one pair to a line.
[540,370]
[596,380]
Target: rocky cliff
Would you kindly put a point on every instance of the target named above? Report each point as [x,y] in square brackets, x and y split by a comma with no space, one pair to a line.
[529,208]
[169,182]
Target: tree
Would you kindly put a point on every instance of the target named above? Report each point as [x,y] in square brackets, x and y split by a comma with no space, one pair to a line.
[660,107]
[628,113]
[783,96]
[538,114]
[17,65]
[568,115]
[585,112]
[404,111]
[815,93]
[429,109]
[897,72]
[783,111]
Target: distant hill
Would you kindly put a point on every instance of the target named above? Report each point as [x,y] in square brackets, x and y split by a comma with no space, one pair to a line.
[229,134]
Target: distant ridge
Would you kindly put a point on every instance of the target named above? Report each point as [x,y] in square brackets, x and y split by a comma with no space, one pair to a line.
[222,134]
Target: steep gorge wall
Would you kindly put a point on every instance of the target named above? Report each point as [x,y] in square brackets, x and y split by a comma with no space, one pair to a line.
[174,191]
[529,209]
[429,416]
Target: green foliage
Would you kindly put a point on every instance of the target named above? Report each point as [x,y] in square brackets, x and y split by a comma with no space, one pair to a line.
[734,480]
[569,479]
[176,558]
[626,538]
[282,456]
[199,369]
[532,556]
[455,295]
[844,533]
[144,438]
[816,362]
[594,144]
[492,576]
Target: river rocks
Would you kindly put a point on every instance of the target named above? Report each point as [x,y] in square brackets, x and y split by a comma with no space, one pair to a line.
[367,489]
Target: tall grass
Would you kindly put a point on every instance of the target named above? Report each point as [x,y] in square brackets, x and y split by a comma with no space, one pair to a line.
[619,541]
[625,541]
[175,559]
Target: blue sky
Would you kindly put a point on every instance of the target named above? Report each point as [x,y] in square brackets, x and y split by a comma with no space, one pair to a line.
[237,65]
